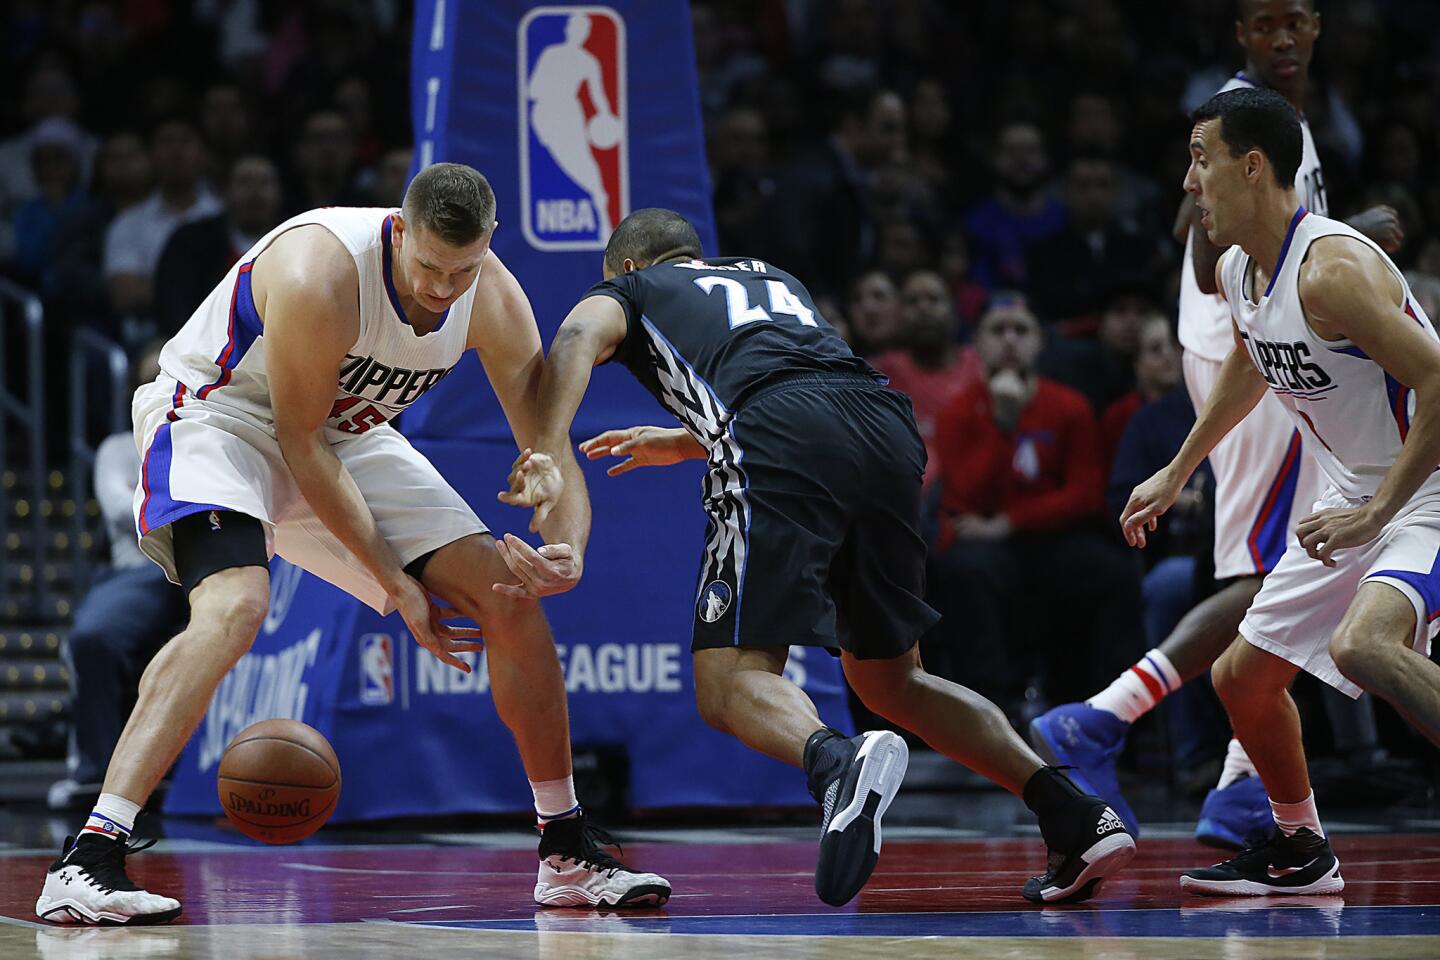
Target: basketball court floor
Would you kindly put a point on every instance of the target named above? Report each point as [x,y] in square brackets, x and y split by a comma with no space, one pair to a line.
[741,891]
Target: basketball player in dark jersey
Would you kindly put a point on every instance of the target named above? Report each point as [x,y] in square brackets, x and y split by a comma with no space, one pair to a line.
[813,501]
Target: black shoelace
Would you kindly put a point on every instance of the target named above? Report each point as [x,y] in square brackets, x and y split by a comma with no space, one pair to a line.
[105,863]
[592,839]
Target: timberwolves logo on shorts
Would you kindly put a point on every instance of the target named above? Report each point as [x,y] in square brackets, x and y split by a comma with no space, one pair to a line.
[377,674]
[714,601]
[574,162]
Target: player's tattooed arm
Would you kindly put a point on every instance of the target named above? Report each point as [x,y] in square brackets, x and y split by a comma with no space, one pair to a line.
[1348,292]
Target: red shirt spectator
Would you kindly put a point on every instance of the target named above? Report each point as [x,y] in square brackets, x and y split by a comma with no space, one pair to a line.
[1043,475]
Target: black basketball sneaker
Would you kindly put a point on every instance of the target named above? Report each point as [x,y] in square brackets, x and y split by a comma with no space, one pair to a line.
[1298,864]
[1087,840]
[575,871]
[88,885]
[854,780]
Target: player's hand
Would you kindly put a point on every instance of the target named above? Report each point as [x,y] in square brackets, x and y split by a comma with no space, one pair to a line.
[552,569]
[641,446]
[1325,531]
[535,481]
[1147,502]
[1380,223]
[422,616]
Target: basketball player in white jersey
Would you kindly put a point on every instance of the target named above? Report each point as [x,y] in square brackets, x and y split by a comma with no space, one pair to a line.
[1263,481]
[1324,321]
[267,432]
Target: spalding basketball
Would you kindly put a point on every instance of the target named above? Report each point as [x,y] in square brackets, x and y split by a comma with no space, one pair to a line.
[279,781]
[604,131]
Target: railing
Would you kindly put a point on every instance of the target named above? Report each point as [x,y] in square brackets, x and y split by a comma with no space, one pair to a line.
[18,305]
[85,345]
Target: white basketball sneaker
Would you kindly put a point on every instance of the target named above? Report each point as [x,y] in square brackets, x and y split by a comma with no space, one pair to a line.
[88,885]
[576,872]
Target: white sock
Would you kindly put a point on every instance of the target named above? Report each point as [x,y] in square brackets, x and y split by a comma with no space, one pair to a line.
[113,817]
[1136,691]
[556,796]
[1290,817]
[1237,765]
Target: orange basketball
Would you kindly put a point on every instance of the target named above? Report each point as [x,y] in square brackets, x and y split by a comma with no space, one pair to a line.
[279,781]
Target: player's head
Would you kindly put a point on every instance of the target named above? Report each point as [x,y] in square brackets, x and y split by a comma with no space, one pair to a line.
[1007,336]
[577,29]
[650,236]
[1278,37]
[1246,144]
[443,232]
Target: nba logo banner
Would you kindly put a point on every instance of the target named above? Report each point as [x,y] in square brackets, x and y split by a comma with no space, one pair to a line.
[574,143]
[377,669]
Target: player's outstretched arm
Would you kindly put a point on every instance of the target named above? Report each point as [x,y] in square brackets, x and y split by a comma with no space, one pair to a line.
[1349,292]
[1238,388]
[312,316]
[644,447]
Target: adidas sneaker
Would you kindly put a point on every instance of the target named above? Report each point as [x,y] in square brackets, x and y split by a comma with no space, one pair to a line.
[1088,840]
[88,885]
[576,872]
[855,780]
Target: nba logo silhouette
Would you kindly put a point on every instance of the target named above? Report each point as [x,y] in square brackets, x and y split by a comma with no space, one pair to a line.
[377,669]
[574,150]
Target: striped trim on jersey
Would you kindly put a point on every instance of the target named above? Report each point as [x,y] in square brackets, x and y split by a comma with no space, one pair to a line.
[1268,533]
[241,333]
[685,394]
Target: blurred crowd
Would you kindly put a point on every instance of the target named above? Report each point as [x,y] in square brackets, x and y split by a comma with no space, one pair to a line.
[982,195]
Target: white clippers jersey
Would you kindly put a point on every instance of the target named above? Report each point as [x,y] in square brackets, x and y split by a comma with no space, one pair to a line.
[1204,317]
[1353,415]
[218,357]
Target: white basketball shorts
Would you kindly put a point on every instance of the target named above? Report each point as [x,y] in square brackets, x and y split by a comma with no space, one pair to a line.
[1303,601]
[208,458]
[1264,480]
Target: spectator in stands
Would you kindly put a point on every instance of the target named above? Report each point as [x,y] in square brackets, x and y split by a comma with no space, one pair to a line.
[227,123]
[969,297]
[929,365]
[198,254]
[1095,128]
[874,313]
[822,224]
[1157,373]
[48,94]
[1070,271]
[1021,489]
[136,238]
[1021,211]
[127,615]
[77,288]
[324,164]
[1102,367]
[392,176]
[55,148]
[744,183]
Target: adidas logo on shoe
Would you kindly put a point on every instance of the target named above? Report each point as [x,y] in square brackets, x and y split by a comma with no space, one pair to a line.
[1109,823]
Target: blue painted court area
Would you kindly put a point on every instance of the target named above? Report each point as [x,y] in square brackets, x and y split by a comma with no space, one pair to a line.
[1249,918]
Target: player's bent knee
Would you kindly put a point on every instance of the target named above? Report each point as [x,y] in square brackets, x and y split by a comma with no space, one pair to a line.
[1350,654]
